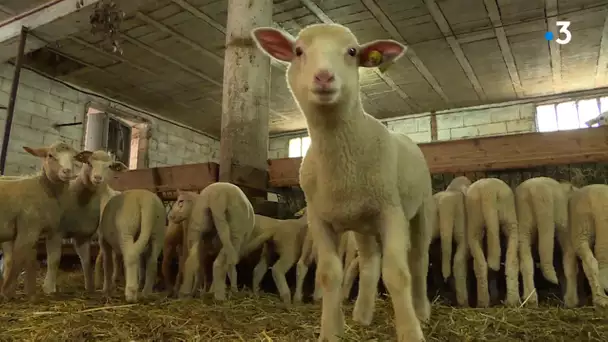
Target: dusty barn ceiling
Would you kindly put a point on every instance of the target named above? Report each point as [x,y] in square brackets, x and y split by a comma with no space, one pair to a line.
[462,53]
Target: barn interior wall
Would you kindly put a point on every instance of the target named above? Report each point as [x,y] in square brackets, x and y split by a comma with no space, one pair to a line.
[42,102]
[465,123]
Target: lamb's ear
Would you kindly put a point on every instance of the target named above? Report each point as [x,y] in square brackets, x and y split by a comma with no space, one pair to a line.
[380,52]
[40,152]
[83,156]
[118,166]
[275,43]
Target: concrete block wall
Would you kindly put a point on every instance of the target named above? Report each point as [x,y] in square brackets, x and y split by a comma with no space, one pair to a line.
[41,102]
[462,124]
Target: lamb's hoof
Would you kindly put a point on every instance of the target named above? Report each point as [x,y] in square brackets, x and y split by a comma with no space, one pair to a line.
[423,310]
[234,289]
[600,302]
[512,301]
[571,301]
[49,290]
[531,300]
[362,315]
[220,297]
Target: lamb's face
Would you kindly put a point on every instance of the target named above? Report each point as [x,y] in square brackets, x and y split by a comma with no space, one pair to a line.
[58,161]
[99,166]
[182,207]
[324,61]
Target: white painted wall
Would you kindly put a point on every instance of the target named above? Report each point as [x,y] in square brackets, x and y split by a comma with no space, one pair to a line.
[42,102]
[466,123]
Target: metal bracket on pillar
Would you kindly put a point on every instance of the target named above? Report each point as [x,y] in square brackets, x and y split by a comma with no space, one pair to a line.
[10,110]
[58,125]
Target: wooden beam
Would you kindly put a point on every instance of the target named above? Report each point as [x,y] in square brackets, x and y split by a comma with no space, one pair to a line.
[170,60]
[53,21]
[517,151]
[445,28]
[505,48]
[194,45]
[602,61]
[434,132]
[551,12]
[317,11]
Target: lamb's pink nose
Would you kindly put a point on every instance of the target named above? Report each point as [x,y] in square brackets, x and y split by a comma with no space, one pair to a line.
[324,78]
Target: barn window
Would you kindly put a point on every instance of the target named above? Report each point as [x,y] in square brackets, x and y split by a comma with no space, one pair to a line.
[298,147]
[569,115]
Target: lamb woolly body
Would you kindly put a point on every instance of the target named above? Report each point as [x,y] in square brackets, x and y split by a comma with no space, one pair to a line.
[357,175]
[542,213]
[451,226]
[32,206]
[225,207]
[588,223]
[287,237]
[176,243]
[490,202]
[132,225]
[81,215]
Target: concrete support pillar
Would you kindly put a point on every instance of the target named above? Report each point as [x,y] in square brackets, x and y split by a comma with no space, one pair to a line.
[95,133]
[246,94]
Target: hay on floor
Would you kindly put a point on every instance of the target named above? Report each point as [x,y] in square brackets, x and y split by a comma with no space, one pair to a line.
[75,316]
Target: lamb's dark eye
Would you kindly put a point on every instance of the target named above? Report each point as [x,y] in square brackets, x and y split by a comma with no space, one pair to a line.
[299,51]
[352,52]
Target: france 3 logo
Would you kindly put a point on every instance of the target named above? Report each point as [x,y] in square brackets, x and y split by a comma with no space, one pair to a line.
[563,36]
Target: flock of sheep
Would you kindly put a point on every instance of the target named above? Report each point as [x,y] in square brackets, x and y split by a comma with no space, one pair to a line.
[370,211]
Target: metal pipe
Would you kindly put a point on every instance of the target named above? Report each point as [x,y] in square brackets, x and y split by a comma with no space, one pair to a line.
[10,111]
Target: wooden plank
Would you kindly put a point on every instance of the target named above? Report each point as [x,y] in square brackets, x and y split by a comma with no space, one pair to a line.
[194,177]
[446,30]
[518,151]
[505,47]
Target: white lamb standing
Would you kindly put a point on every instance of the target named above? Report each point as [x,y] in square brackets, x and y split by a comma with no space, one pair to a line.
[287,237]
[180,214]
[82,213]
[133,226]
[542,213]
[588,218]
[451,226]
[225,207]
[32,206]
[600,120]
[349,253]
[357,175]
[490,203]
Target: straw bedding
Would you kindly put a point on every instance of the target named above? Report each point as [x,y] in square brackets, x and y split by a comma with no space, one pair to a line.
[75,316]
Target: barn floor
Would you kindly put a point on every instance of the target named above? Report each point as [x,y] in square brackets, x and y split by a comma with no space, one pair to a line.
[74,316]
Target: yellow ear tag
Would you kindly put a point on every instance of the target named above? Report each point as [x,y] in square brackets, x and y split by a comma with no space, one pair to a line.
[375,57]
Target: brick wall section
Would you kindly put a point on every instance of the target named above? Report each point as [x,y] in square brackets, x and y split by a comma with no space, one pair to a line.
[42,102]
[467,123]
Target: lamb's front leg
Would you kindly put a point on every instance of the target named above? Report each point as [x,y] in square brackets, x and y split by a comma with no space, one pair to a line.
[421,237]
[396,273]
[330,275]
[369,274]
[83,249]
[53,257]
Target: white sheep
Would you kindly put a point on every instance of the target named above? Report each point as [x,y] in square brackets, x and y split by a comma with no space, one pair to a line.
[600,120]
[176,243]
[588,223]
[225,207]
[31,206]
[82,213]
[451,226]
[287,237]
[357,175]
[542,213]
[349,254]
[490,203]
[132,225]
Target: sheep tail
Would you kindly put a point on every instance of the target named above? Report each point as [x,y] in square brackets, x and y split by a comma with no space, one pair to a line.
[489,210]
[150,217]
[256,242]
